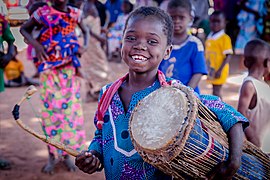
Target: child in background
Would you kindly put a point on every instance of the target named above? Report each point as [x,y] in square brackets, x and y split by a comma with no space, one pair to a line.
[115,33]
[14,73]
[218,47]
[186,62]
[147,41]
[254,99]
[56,49]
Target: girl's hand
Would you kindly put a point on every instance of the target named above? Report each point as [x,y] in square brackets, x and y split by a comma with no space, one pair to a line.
[40,53]
[87,162]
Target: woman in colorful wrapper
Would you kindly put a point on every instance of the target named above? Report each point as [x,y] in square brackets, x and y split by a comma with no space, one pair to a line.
[57,49]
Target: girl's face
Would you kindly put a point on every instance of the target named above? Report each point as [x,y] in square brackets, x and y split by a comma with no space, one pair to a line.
[217,23]
[144,44]
[181,19]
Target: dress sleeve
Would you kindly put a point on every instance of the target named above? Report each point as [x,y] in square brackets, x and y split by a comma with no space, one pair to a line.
[226,114]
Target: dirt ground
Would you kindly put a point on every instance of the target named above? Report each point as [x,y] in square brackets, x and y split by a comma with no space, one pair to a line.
[28,154]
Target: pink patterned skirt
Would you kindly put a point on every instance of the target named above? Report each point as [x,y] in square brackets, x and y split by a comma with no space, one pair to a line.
[62,116]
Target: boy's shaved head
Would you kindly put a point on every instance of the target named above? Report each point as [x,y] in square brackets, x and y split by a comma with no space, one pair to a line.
[180,3]
[254,51]
[218,13]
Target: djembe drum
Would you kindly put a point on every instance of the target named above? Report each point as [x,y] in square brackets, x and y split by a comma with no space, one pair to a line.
[173,131]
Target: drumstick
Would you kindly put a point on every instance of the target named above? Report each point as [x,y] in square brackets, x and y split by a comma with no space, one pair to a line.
[29,92]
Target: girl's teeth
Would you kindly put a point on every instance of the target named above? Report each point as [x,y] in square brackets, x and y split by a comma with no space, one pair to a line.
[139,58]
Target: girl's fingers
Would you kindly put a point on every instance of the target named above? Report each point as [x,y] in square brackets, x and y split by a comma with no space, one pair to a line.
[93,166]
[97,163]
[87,161]
[81,158]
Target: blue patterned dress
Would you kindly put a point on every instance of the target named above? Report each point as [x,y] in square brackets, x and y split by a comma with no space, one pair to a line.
[120,159]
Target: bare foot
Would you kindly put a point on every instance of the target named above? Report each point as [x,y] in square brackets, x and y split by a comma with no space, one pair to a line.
[49,167]
[69,164]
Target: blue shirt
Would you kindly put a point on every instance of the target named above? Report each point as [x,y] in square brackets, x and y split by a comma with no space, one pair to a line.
[114,9]
[113,142]
[185,61]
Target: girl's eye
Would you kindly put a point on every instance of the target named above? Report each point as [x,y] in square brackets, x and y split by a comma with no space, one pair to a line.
[152,42]
[130,38]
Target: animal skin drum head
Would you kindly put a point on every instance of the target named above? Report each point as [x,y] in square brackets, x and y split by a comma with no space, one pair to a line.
[159,117]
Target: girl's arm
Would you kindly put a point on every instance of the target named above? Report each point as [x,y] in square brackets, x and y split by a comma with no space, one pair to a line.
[195,79]
[26,30]
[226,60]
[227,169]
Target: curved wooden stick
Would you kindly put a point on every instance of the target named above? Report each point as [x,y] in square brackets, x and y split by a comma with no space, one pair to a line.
[29,92]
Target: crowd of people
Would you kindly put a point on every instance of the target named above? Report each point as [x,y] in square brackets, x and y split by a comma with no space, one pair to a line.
[71,39]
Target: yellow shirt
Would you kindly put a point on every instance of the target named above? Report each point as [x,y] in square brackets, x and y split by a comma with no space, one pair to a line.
[217,46]
[13,70]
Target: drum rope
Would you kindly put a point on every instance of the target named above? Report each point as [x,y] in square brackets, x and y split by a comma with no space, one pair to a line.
[211,118]
[209,162]
[212,155]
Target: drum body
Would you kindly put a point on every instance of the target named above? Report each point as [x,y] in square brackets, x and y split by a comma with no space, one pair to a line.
[169,131]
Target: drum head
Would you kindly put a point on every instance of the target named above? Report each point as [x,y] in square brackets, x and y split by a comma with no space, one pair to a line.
[159,117]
